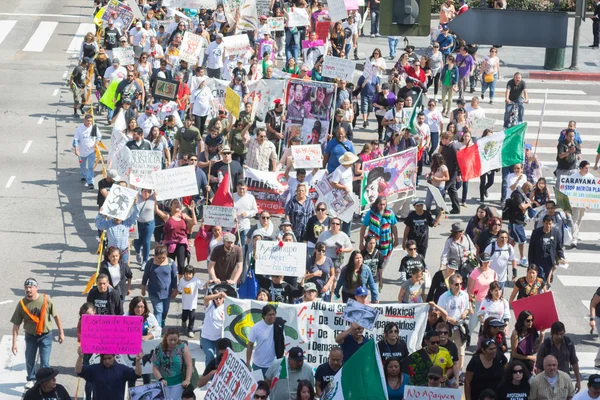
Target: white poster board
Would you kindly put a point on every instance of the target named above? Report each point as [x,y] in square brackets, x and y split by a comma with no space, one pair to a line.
[280,258]
[122,161]
[219,216]
[242,386]
[336,67]
[276,23]
[419,393]
[361,314]
[481,124]
[307,156]
[337,10]
[192,46]
[237,45]
[118,202]
[297,17]
[144,164]
[175,182]
[437,197]
[125,55]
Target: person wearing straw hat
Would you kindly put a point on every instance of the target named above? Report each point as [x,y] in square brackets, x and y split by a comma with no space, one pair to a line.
[46,387]
[226,166]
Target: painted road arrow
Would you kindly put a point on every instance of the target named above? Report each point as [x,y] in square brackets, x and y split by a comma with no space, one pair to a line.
[512,27]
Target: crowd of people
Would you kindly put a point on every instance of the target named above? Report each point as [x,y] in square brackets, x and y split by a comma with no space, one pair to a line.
[479,261]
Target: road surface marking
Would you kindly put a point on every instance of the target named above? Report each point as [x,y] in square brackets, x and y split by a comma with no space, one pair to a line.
[55,92]
[41,36]
[25,150]
[5,28]
[10,181]
[40,120]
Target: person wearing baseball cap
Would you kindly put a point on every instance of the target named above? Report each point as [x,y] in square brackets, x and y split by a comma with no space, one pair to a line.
[298,370]
[35,311]
[228,166]
[46,387]
[593,391]
[225,263]
[309,293]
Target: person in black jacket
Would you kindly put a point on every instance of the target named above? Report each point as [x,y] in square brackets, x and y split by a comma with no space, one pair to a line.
[449,148]
[544,248]
[105,298]
[46,387]
[114,266]
[596,26]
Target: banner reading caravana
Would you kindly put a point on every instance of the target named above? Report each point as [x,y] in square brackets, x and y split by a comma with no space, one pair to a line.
[314,326]
[583,192]
[386,176]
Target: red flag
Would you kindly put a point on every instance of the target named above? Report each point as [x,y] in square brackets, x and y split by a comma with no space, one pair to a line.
[223,196]
[201,246]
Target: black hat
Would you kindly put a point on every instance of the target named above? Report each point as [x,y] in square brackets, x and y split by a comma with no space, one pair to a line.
[594,381]
[45,374]
[227,289]
[296,354]
[497,323]
[485,257]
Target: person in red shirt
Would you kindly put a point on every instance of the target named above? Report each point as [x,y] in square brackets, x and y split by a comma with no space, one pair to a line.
[183,95]
[416,72]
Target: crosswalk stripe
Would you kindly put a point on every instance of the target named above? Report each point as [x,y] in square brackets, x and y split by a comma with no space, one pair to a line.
[83,29]
[533,124]
[5,28]
[583,236]
[564,102]
[548,113]
[41,36]
[552,150]
[579,280]
[554,137]
[530,91]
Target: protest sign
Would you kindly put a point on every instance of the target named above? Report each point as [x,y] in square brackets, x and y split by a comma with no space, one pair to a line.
[582,192]
[431,393]
[437,197]
[262,7]
[122,161]
[143,164]
[237,45]
[311,50]
[219,216]
[208,4]
[248,17]
[351,4]
[307,156]
[175,182]
[125,55]
[297,17]
[111,334]
[368,71]
[276,23]
[336,67]
[361,314]
[217,88]
[119,201]
[337,10]
[313,326]
[151,391]
[390,175]
[148,348]
[481,124]
[241,387]
[541,305]
[280,258]
[119,13]
[232,102]
[191,47]
[266,187]
[322,30]
[264,92]
[341,204]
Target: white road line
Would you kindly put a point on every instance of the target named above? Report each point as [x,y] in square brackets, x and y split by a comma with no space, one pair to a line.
[554,136]
[579,280]
[41,120]
[547,113]
[41,36]
[538,91]
[5,28]
[44,15]
[10,181]
[25,150]
[562,102]
[83,29]
[6,302]
[66,73]
[532,125]
[56,91]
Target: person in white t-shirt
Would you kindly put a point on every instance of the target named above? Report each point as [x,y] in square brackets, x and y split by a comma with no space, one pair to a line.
[515,179]
[155,52]
[115,71]
[215,54]
[350,28]
[246,208]
[137,38]
[261,334]
[189,287]
[502,254]
[474,112]
[341,177]
[593,391]
[214,315]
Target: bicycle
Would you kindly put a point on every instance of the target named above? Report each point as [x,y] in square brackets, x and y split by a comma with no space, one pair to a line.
[513,111]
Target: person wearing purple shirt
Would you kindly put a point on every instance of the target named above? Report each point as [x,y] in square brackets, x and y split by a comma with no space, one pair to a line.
[466,67]
[383,101]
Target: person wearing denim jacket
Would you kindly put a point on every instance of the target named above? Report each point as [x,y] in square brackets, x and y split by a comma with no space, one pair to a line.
[449,80]
[366,279]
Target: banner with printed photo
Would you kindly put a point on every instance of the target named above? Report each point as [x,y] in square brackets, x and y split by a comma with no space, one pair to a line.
[335,67]
[337,10]
[266,187]
[151,391]
[144,163]
[339,203]
[362,314]
[192,46]
[307,156]
[390,175]
[148,348]
[121,14]
[119,201]
[297,17]
[232,381]
[280,258]
[276,24]
[311,50]
[314,132]
[308,100]
[266,47]
[237,45]
[266,91]
[125,55]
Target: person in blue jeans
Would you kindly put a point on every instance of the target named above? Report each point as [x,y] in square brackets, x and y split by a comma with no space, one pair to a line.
[393,44]
[145,225]
[373,9]
[84,146]
[516,93]
[160,277]
[292,43]
[35,311]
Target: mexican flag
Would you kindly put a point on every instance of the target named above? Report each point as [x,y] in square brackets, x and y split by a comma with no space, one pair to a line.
[502,149]
[412,122]
[282,372]
[361,377]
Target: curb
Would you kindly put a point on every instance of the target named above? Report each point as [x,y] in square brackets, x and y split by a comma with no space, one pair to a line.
[565,75]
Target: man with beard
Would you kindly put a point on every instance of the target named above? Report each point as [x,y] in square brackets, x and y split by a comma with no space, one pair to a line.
[296,108]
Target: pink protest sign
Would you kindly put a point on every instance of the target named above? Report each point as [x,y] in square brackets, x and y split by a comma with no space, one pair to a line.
[351,4]
[542,307]
[111,334]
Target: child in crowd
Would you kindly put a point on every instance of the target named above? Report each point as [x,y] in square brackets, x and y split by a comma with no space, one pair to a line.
[189,287]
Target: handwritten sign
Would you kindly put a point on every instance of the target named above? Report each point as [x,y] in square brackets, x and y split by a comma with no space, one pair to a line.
[481,124]
[111,334]
[219,216]
[222,386]
[431,393]
[280,258]
[262,7]
[582,192]
[232,102]
[335,67]
[144,164]
[297,17]
[119,201]
[125,55]
[368,71]
[361,314]
[337,10]
[540,305]
[122,161]
[175,182]
[307,156]
[276,23]
[192,46]
[322,30]
[237,45]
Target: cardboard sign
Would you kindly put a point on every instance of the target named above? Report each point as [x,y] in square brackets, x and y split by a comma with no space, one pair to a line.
[307,156]
[111,334]
[125,55]
[276,23]
[297,17]
[232,102]
[431,393]
[582,192]
[322,30]
[219,216]
[237,45]
[481,124]
[361,314]
[542,306]
[336,67]
[122,161]
[280,258]
[192,46]
[175,182]
[337,10]
[154,391]
[144,164]
[119,201]
[233,380]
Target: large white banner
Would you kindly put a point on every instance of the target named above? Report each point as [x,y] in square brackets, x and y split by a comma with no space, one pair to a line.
[582,192]
[335,67]
[144,163]
[337,10]
[280,258]
[266,90]
[192,47]
[237,45]
[118,202]
[175,182]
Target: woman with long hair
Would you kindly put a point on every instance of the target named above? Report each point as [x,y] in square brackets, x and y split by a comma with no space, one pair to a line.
[119,274]
[337,39]
[459,247]
[353,276]
[214,315]
[382,101]
[490,68]
[515,383]
[528,285]
[378,62]
[540,193]
[305,390]
[494,304]
[395,379]
[478,284]
[159,143]
[172,364]
[490,234]
[479,222]
[484,371]
[160,276]
[437,177]
[525,340]
[291,67]
[320,271]
[89,47]
[486,181]
[493,329]
[466,142]
[462,123]
[150,326]
[144,67]
[393,144]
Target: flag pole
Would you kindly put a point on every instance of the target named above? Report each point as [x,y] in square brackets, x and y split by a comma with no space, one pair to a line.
[541,122]
[284,101]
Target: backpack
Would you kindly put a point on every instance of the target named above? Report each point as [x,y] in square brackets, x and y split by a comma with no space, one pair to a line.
[507,209]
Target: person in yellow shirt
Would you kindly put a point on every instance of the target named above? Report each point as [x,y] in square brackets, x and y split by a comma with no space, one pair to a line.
[417,364]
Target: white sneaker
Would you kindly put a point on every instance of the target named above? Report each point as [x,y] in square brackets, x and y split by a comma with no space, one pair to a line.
[29,385]
[190,334]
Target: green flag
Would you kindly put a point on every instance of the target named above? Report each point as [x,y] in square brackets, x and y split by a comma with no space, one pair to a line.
[412,122]
[562,201]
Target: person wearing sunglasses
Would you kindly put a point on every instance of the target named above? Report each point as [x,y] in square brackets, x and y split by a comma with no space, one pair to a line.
[392,345]
[373,259]
[316,225]
[515,384]
[484,371]
[262,391]
[525,339]
[434,377]
[337,243]
[488,235]
[432,354]
[320,271]
[381,222]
